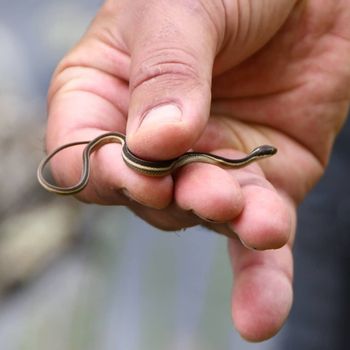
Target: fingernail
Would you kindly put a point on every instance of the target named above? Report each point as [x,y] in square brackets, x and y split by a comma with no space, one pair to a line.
[163,114]
[126,193]
[246,245]
[130,197]
[202,217]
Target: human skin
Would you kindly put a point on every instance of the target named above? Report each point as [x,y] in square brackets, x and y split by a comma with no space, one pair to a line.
[227,75]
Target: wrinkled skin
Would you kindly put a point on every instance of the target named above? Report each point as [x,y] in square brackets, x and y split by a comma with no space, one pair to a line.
[228,75]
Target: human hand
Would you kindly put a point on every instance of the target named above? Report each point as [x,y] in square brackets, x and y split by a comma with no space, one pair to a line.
[227,76]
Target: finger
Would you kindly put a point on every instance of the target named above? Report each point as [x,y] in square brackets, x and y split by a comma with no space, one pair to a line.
[170,76]
[110,180]
[208,191]
[111,177]
[267,219]
[262,290]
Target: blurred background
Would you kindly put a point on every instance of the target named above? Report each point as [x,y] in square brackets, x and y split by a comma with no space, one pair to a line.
[76,276]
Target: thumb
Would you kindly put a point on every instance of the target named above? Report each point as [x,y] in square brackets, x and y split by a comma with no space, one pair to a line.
[172,50]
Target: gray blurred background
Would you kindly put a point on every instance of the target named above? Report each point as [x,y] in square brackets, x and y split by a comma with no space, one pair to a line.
[74,276]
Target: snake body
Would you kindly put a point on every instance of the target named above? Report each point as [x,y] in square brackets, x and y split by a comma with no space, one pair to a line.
[150,168]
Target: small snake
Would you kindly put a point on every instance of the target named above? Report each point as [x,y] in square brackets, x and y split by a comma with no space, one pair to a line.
[151,168]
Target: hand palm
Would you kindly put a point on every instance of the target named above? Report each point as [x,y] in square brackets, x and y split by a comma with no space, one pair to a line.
[290,93]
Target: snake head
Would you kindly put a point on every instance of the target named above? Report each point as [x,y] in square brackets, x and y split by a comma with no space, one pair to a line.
[264,151]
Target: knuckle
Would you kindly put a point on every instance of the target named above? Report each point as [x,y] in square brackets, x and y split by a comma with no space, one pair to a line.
[164,65]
